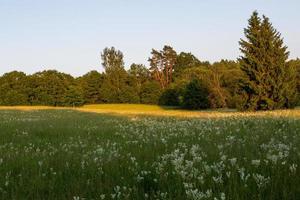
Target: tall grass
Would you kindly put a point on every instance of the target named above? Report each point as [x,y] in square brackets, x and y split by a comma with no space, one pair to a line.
[66,154]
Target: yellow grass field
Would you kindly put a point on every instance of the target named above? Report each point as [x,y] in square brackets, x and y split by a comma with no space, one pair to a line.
[154,110]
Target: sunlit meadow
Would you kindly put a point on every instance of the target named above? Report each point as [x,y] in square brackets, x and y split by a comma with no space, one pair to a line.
[68,154]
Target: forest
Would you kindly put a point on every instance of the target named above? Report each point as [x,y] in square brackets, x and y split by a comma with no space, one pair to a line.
[263,78]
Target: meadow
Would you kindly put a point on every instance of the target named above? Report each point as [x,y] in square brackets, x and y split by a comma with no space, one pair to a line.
[138,152]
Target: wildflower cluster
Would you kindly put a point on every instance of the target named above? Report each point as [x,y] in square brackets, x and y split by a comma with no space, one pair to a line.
[73,155]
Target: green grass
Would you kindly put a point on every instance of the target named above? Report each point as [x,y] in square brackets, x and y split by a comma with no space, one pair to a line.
[66,154]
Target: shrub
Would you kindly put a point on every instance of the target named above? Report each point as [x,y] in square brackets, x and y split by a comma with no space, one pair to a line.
[170,97]
[196,95]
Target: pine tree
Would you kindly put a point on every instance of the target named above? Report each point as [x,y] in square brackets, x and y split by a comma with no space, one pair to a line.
[270,81]
[162,65]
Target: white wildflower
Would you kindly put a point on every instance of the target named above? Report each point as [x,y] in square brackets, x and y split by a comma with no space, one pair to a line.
[293,168]
[255,162]
[233,161]
[222,196]
[260,180]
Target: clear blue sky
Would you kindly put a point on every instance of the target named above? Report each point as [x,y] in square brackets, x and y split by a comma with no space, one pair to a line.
[69,35]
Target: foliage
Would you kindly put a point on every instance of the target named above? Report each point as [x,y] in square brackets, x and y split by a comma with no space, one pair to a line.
[196,95]
[221,78]
[74,96]
[13,89]
[129,95]
[150,92]
[90,84]
[112,60]
[49,88]
[295,65]
[114,82]
[262,79]
[186,61]
[169,97]
[270,81]
[138,75]
[162,63]
[225,78]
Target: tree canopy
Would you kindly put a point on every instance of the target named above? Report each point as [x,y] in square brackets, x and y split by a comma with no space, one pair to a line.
[270,82]
[263,78]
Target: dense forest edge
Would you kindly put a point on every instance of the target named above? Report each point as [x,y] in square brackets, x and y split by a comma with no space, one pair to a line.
[263,78]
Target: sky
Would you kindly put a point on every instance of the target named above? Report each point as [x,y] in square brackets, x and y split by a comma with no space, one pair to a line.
[69,35]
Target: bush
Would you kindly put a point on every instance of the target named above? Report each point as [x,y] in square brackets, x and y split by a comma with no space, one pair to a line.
[196,95]
[170,97]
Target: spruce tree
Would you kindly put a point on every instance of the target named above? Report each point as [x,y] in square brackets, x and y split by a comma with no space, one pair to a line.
[270,81]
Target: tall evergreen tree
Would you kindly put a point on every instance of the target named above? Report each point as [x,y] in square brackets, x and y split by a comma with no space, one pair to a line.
[270,81]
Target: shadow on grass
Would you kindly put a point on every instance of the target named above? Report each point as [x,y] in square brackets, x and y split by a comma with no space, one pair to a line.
[170,108]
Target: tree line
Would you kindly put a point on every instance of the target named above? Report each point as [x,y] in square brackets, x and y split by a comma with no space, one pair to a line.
[261,79]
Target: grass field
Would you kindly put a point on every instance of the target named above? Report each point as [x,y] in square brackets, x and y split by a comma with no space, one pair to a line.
[50,153]
[153,110]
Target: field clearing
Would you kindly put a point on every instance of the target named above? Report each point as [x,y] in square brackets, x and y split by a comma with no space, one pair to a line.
[154,110]
[66,154]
